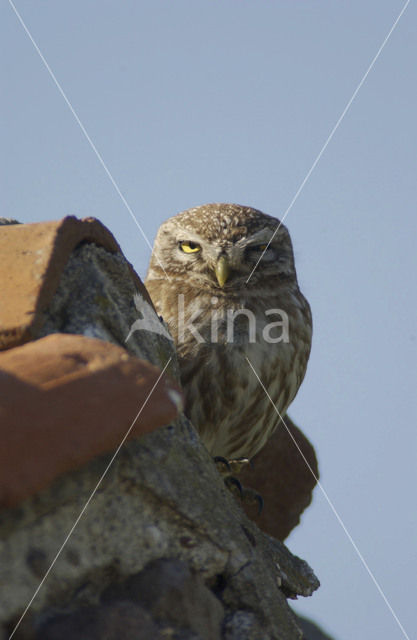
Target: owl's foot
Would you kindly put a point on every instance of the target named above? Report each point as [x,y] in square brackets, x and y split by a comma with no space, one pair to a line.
[234,486]
[222,466]
[246,495]
[239,464]
[228,469]
[231,467]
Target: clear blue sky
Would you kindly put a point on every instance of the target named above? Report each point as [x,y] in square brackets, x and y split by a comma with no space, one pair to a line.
[194,101]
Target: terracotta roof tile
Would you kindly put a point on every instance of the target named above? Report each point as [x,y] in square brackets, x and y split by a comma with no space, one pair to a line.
[65,399]
[32,257]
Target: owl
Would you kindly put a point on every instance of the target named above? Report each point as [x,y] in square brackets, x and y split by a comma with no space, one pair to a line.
[222,276]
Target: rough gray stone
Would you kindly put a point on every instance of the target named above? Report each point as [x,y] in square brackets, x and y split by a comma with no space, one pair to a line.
[172,593]
[169,633]
[107,622]
[95,298]
[243,625]
[161,498]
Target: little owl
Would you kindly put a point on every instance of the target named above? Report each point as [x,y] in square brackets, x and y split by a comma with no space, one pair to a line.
[223,312]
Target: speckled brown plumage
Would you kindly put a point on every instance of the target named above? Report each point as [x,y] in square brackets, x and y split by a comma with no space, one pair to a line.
[224,400]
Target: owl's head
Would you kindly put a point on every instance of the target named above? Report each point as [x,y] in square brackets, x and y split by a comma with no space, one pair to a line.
[224,247]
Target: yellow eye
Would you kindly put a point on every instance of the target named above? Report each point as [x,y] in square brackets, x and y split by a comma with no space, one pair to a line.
[190,247]
[262,247]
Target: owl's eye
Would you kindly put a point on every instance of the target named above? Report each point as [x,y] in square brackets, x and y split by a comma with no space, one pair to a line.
[190,247]
[256,251]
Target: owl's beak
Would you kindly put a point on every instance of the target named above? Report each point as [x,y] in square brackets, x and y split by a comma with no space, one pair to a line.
[222,270]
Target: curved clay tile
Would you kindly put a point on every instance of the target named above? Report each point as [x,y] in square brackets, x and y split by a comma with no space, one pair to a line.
[65,399]
[32,257]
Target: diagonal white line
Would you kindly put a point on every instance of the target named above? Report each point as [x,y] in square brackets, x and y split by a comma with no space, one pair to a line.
[332,507]
[83,129]
[330,136]
[89,500]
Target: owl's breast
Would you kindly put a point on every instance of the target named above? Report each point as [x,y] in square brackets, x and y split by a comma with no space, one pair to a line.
[225,400]
[217,346]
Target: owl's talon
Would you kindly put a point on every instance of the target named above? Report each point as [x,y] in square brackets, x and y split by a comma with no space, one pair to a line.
[251,497]
[245,495]
[231,467]
[234,486]
[237,465]
[223,466]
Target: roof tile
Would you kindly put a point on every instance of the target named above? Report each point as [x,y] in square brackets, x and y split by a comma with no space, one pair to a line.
[32,257]
[65,399]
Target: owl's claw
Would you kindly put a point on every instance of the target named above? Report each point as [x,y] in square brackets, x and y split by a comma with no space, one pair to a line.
[228,469]
[223,465]
[234,486]
[231,467]
[239,464]
[246,495]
